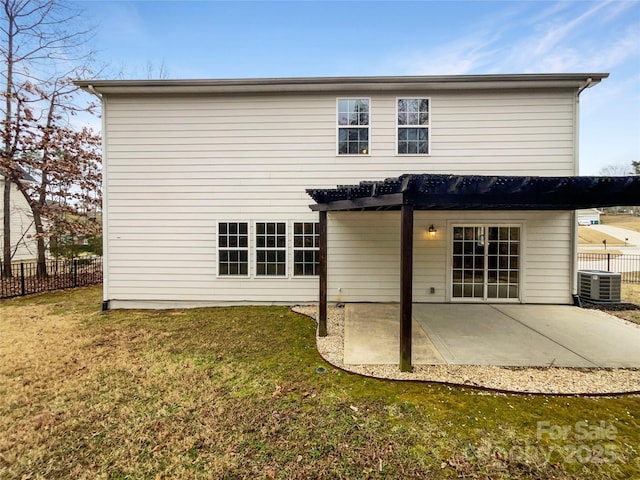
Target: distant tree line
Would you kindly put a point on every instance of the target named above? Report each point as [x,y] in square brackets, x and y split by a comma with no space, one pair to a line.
[621,170]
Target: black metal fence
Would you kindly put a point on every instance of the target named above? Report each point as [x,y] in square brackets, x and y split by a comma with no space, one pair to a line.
[65,273]
[628,266]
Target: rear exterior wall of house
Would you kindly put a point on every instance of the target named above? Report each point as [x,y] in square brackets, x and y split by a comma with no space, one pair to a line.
[181,167]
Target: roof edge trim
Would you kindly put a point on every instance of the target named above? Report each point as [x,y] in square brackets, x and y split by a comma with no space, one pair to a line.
[379,83]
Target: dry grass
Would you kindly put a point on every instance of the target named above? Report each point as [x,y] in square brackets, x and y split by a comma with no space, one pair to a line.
[234,393]
[629,222]
[588,236]
[630,293]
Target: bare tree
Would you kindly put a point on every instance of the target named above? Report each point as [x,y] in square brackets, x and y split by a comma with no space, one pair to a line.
[621,170]
[37,35]
[616,170]
[160,72]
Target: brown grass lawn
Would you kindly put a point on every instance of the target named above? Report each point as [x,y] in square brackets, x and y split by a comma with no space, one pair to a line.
[588,236]
[631,294]
[630,222]
[234,393]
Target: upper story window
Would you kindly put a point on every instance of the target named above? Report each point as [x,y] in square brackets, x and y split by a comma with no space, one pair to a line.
[413,126]
[353,126]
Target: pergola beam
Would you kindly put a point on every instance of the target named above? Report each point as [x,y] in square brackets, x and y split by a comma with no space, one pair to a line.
[360,203]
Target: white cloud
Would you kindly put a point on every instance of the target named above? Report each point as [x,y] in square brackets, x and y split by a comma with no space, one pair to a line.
[558,39]
[457,58]
[557,30]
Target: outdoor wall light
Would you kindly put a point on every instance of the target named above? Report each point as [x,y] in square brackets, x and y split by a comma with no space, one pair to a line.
[432,230]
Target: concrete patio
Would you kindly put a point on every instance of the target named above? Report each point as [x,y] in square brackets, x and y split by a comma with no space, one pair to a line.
[499,335]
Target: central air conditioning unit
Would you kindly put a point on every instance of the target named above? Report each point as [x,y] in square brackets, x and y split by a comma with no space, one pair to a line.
[599,286]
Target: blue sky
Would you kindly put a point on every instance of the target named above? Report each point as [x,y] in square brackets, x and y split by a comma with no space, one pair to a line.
[230,39]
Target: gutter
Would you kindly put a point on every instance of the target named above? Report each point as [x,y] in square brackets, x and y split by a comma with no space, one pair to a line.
[576,171]
[105,203]
[342,84]
[586,85]
[93,91]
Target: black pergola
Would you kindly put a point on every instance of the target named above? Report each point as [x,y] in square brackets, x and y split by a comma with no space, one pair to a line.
[411,192]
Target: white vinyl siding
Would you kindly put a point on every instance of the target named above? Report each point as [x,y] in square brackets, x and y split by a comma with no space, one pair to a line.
[23,231]
[364,262]
[179,164]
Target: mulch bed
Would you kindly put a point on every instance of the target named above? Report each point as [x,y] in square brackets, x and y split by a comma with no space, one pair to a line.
[609,306]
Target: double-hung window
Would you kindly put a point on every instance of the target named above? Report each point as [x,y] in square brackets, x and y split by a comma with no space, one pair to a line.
[233,249]
[413,126]
[271,249]
[353,126]
[306,248]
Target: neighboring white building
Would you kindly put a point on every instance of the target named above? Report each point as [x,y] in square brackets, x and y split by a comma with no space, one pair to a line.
[204,187]
[23,230]
[588,216]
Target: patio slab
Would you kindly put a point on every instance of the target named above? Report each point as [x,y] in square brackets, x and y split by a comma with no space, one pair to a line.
[500,335]
[604,339]
[372,337]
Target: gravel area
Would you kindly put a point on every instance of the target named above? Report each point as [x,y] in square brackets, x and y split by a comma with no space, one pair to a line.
[549,380]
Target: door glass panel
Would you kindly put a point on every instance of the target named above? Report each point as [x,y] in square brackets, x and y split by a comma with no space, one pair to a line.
[468,262]
[506,245]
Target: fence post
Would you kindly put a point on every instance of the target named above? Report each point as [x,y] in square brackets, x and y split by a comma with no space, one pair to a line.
[22,284]
[75,272]
[608,262]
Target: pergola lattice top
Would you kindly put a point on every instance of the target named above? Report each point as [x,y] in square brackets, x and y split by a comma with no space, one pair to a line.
[480,192]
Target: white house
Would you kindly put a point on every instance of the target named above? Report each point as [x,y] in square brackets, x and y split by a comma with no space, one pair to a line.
[205,184]
[23,230]
[589,216]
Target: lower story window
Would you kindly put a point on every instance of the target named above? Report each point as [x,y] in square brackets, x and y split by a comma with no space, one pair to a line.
[233,249]
[271,249]
[306,251]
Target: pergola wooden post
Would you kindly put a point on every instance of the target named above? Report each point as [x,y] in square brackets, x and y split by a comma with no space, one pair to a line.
[406,285]
[322,267]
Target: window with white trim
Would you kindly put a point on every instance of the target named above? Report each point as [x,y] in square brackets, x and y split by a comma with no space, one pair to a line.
[353,126]
[413,126]
[233,248]
[271,249]
[306,248]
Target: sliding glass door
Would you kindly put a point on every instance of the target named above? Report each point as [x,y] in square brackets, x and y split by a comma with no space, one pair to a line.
[486,262]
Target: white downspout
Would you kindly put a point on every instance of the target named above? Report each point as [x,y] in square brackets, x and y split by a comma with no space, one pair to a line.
[576,172]
[105,204]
